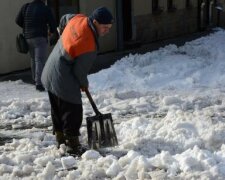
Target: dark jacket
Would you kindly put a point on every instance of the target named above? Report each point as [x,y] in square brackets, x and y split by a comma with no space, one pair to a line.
[34,18]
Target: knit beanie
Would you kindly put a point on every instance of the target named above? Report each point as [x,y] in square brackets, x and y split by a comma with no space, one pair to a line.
[102,15]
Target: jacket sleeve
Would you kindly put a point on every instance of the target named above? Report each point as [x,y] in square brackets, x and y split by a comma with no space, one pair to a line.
[20,16]
[82,66]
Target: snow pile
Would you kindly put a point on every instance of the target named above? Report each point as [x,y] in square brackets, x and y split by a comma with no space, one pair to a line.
[168,107]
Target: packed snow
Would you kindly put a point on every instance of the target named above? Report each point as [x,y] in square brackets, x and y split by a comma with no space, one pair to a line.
[168,108]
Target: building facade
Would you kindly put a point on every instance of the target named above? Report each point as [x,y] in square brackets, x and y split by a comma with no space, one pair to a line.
[137,22]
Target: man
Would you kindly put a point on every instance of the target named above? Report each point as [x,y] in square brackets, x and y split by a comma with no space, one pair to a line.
[34,18]
[66,70]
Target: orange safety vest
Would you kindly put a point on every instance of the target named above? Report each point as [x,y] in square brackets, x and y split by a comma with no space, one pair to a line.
[77,37]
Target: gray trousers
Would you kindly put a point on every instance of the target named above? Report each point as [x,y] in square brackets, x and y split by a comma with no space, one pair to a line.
[38,49]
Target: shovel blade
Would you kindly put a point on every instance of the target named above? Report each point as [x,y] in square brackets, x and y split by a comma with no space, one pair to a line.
[101,132]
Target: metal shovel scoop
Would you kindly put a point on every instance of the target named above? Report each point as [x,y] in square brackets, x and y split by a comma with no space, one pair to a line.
[101,132]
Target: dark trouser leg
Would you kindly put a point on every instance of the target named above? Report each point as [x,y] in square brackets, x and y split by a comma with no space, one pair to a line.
[66,117]
[55,112]
[72,116]
[72,120]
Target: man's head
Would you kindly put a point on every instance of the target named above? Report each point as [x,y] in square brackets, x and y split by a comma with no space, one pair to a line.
[102,19]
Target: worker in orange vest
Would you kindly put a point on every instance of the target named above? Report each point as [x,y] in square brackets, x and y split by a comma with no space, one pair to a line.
[65,73]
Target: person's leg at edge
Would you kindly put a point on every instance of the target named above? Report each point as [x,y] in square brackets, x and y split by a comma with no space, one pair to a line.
[32,61]
[41,51]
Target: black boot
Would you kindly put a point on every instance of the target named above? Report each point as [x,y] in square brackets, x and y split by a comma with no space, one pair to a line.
[73,145]
[40,88]
[59,138]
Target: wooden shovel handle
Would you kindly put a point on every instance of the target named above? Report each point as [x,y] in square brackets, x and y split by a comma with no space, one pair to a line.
[92,102]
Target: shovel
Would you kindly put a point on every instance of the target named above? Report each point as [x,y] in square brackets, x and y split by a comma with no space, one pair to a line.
[100,129]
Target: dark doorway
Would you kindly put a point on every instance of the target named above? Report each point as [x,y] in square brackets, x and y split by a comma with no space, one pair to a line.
[127,20]
[61,7]
[55,6]
[207,12]
[204,8]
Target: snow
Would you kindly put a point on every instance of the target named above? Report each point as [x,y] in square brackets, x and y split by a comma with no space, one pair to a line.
[68,162]
[168,108]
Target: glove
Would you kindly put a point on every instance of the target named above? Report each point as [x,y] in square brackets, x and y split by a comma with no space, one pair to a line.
[83,89]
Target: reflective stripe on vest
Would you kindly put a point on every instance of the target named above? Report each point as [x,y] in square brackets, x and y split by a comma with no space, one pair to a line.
[77,37]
